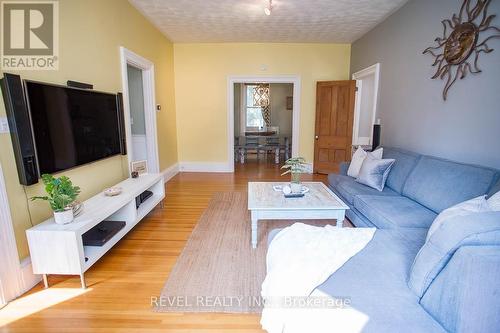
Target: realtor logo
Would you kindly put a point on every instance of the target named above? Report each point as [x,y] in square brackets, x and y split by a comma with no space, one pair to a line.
[30,35]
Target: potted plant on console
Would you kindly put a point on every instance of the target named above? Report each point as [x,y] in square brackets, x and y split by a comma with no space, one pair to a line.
[295,166]
[61,193]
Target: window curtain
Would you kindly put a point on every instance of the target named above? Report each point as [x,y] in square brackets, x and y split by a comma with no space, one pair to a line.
[261,98]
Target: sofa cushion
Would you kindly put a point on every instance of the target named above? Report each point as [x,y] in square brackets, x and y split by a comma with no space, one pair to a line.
[438,184]
[334,179]
[359,157]
[464,296]
[375,282]
[478,229]
[369,282]
[405,162]
[469,207]
[387,212]
[374,172]
[358,219]
[344,166]
[349,188]
[495,188]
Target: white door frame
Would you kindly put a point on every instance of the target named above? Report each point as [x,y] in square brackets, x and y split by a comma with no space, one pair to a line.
[128,57]
[375,71]
[10,268]
[231,80]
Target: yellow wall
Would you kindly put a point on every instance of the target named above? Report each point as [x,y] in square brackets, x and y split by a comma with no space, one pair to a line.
[91,32]
[201,72]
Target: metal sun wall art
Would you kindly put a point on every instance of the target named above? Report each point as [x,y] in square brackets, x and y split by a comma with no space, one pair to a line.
[451,55]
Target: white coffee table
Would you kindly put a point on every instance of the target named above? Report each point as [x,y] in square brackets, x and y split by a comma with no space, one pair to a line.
[264,203]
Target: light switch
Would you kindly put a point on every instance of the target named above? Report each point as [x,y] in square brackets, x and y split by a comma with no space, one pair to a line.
[4,125]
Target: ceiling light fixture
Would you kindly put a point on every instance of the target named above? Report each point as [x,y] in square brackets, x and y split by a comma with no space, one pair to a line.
[268,8]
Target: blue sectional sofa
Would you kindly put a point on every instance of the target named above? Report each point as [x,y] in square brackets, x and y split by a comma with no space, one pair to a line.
[403,284]
[400,281]
[418,188]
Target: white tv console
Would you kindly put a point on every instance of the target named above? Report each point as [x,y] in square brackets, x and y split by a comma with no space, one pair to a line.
[59,249]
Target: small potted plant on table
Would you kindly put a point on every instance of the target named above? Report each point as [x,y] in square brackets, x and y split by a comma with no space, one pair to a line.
[295,166]
[61,193]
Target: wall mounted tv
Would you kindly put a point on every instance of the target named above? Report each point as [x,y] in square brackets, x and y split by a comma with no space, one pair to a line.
[68,126]
[71,126]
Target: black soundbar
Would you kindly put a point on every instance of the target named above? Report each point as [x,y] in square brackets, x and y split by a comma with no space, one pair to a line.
[20,128]
[80,85]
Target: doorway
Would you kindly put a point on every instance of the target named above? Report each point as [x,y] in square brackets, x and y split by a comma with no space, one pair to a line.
[263,114]
[137,116]
[365,110]
[236,83]
[139,106]
[10,269]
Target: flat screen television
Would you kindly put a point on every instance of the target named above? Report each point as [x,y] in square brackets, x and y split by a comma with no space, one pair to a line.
[72,126]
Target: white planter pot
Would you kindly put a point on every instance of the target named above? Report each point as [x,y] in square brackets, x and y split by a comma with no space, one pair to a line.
[296,187]
[64,217]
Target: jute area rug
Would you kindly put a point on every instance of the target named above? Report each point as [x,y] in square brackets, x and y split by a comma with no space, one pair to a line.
[218,271]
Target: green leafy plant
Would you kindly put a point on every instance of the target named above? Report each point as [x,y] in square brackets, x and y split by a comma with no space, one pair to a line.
[60,192]
[295,166]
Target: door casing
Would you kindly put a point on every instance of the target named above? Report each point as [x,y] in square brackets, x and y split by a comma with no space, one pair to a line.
[128,57]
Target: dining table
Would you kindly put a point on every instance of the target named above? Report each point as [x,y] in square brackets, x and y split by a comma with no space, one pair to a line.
[257,142]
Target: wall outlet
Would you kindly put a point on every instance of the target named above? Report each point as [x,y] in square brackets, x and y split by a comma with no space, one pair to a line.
[4,125]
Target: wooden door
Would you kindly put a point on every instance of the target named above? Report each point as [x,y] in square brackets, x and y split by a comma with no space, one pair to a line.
[334,121]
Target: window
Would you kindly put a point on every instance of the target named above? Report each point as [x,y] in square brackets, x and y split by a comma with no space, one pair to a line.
[253,114]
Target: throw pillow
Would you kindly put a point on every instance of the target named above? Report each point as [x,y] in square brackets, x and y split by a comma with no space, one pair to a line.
[476,205]
[358,158]
[374,172]
[494,202]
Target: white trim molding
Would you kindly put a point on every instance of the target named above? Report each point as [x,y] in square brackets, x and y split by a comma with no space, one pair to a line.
[170,172]
[205,167]
[11,284]
[128,57]
[374,71]
[28,279]
[231,80]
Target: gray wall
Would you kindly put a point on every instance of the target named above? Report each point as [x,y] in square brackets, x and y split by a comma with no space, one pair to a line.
[414,116]
[136,99]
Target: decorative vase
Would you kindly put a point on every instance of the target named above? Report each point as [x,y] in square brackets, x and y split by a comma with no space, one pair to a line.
[296,187]
[64,217]
[295,184]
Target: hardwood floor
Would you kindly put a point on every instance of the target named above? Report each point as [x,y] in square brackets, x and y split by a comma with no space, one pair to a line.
[121,284]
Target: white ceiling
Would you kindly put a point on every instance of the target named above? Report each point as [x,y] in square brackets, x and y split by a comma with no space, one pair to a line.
[309,21]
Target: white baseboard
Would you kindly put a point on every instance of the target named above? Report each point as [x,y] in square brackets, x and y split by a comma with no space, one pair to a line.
[204,167]
[309,167]
[170,172]
[28,279]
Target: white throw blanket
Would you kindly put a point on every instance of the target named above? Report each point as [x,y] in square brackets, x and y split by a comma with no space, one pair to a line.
[299,259]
